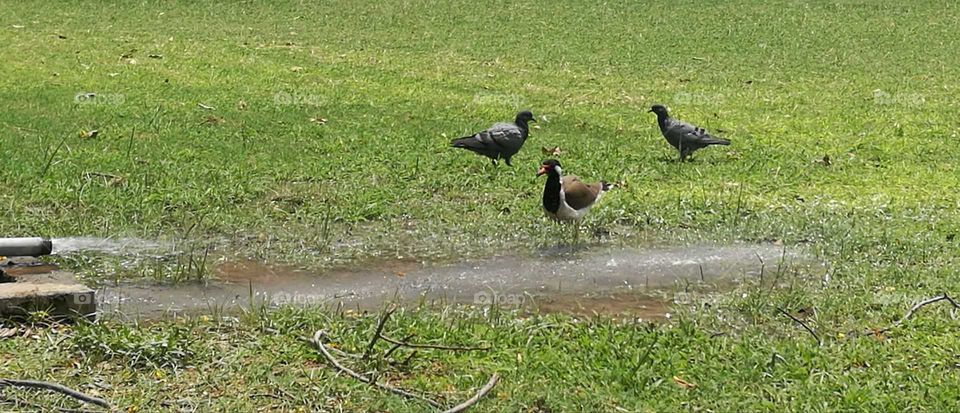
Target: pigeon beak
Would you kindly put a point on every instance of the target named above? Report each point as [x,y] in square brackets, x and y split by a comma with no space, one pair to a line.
[543,170]
[533,119]
[650,111]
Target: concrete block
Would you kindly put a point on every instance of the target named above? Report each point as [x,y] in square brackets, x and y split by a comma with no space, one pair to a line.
[42,287]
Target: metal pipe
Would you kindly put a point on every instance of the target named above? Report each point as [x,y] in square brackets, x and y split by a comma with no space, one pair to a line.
[25,247]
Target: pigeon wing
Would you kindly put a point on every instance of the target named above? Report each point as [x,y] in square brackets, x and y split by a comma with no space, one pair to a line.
[500,139]
[691,135]
[507,136]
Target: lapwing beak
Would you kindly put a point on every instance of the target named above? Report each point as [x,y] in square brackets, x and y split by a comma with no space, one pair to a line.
[543,170]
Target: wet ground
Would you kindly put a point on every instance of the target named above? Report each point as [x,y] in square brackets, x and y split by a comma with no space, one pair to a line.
[640,282]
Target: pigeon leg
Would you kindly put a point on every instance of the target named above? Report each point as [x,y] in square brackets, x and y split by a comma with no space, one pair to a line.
[507,161]
[493,161]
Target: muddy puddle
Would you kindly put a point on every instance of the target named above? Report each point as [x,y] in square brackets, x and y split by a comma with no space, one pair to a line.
[641,282]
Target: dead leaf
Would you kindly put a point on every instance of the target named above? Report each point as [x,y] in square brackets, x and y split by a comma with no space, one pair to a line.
[242,105]
[319,121]
[205,107]
[8,332]
[804,313]
[400,274]
[89,134]
[296,69]
[108,179]
[213,120]
[555,151]
[683,383]
[825,161]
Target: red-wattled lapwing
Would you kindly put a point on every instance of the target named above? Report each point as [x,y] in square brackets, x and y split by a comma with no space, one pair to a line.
[685,137]
[567,198]
[501,141]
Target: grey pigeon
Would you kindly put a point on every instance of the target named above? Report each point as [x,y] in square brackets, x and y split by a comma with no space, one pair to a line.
[685,137]
[501,141]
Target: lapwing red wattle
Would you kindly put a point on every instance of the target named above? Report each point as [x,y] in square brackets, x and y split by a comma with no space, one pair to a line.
[567,198]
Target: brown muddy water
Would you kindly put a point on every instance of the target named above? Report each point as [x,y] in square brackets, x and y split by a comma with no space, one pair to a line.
[641,282]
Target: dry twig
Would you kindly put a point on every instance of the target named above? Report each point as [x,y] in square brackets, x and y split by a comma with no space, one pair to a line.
[317,341]
[36,384]
[802,324]
[476,397]
[395,347]
[918,306]
[376,335]
[430,346]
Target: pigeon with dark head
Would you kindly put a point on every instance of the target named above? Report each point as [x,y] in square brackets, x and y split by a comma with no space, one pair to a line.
[501,141]
[685,137]
[567,198]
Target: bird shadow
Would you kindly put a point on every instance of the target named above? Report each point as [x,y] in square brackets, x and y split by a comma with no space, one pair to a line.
[674,160]
[561,249]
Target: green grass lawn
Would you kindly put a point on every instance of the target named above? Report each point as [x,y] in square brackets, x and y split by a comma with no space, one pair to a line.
[316,133]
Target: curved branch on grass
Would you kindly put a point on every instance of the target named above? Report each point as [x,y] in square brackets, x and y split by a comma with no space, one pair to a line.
[476,397]
[44,385]
[918,306]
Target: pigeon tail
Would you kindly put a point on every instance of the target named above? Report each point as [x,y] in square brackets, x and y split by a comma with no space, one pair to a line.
[716,141]
[464,142]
